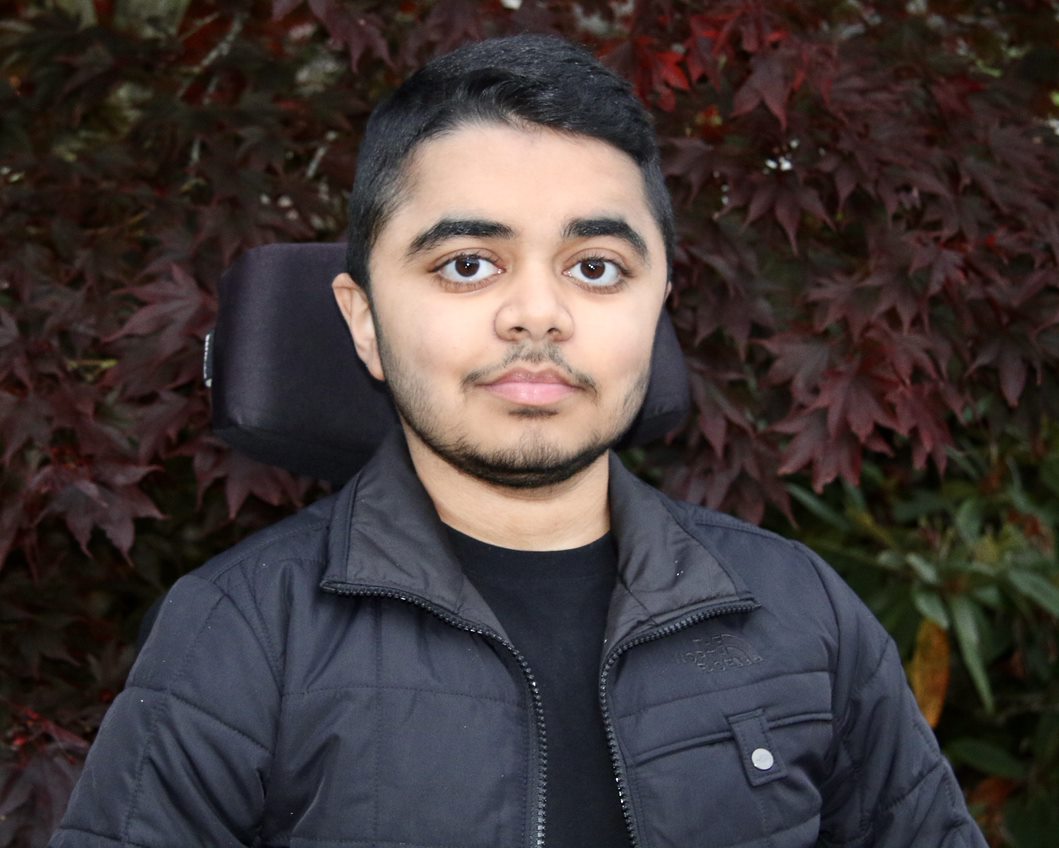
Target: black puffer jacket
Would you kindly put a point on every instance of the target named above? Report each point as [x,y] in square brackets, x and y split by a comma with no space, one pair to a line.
[335,681]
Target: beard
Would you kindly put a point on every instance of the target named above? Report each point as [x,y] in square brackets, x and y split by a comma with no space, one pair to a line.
[534,464]
[536,461]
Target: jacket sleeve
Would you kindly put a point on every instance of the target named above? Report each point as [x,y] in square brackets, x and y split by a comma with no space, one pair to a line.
[182,755]
[889,786]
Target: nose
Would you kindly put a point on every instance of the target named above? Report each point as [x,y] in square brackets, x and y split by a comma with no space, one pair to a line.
[534,308]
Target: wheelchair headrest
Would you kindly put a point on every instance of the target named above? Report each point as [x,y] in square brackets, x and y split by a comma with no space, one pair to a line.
[289,389]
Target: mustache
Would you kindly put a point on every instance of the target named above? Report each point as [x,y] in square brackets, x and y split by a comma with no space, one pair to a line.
[547,353]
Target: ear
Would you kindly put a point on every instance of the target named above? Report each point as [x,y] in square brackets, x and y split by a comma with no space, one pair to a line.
[356,309]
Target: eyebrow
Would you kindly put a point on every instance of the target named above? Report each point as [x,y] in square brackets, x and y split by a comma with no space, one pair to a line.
[616,227]
[448,228]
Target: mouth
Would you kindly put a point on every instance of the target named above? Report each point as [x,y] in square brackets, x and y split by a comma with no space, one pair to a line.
[532,388]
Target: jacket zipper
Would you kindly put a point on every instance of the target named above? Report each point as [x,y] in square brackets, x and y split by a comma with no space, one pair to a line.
[612,737]
[538,704]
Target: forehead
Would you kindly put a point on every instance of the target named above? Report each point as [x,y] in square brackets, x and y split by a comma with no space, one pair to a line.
[531,179]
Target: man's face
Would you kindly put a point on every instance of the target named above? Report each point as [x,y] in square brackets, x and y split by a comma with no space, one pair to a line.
[515,290]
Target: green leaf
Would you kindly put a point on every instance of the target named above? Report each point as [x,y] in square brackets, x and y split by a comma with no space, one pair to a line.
[1033,821]
[988,596]
[818,508]
[1050,474]
[1024,503]
[987,757]
[965,625]
[968,520]
[855,496]
[918,506]
[963,459]
[924,568]
[1046,743]
[930,605]
[1037,588]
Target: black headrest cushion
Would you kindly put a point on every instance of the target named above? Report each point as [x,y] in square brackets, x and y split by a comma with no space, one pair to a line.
[289,389]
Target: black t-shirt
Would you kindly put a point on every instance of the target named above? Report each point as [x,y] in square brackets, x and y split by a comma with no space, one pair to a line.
[553,605]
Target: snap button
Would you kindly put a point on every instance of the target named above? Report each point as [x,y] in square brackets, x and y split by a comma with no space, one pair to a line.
[762,759]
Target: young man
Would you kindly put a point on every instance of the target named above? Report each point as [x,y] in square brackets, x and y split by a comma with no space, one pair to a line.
[494,635]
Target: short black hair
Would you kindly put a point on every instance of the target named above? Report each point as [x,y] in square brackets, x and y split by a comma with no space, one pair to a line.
[522,80]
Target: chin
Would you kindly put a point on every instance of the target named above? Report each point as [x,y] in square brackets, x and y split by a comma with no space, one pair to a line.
[527,462]
[513,470]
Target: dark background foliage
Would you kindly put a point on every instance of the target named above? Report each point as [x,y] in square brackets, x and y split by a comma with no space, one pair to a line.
[866,289]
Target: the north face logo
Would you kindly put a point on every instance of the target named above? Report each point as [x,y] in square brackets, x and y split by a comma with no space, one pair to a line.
[720,653]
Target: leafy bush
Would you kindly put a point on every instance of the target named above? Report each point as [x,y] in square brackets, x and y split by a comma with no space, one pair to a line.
[866,289]
[962,572]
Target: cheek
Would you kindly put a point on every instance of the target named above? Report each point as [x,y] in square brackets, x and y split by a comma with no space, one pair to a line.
[621,345]
[440,346]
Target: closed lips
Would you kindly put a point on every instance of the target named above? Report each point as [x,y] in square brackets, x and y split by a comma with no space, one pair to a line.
[535,388]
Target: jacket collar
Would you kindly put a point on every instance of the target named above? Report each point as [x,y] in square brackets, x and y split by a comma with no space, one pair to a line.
[386,538]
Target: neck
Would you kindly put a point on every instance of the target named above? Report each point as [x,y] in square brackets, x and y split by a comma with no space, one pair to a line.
[550,518]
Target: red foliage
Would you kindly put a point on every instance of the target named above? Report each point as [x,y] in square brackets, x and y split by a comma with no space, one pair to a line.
[889,277]
[867,267]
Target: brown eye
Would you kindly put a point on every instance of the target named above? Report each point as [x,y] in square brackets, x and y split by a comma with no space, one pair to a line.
[469,268]
[593,269]
[597,273]
[466,266]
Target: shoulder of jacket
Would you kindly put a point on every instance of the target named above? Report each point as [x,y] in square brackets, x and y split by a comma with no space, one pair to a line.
[299,539]
[711,523]
[771,564]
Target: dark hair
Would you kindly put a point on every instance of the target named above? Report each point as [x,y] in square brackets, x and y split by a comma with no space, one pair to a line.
[525,79]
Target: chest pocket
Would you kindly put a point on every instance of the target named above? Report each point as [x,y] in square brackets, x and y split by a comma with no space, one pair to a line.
[753,784]
[723,754]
